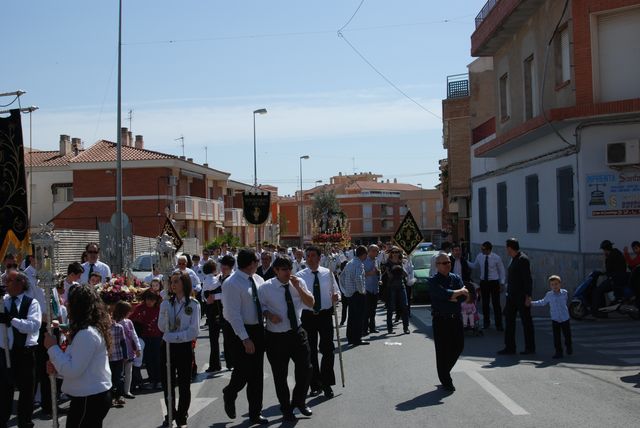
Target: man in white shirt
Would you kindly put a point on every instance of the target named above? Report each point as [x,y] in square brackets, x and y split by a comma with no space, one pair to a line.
[21,319]
[283,298]
[492,279]
[318,322]
[182,267]
[94,265]
[298,262]
[243,311]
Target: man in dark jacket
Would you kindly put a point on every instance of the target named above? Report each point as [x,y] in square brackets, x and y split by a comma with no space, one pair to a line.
[519,287]
[615,267]
[447,292]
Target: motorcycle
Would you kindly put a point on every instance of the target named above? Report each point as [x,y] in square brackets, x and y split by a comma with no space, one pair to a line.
[580,305]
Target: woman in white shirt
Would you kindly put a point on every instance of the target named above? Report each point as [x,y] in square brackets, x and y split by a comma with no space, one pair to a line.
[179,321]
[84,366]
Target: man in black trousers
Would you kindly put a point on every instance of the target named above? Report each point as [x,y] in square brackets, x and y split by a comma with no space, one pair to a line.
[283,298]
[243,311]
[318,322]
[21,318]
[519,288]
[447,293]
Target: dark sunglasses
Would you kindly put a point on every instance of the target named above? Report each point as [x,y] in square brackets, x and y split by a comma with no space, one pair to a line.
[443,263]
[92,252]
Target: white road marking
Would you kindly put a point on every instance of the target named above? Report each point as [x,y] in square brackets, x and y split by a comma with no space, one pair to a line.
[197,403]
[472,369]
[500,396]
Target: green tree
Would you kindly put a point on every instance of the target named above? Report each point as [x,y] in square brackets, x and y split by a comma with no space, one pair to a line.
[324,203]
[228,238]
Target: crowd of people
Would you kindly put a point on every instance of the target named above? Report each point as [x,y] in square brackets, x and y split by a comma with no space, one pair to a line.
[266,302]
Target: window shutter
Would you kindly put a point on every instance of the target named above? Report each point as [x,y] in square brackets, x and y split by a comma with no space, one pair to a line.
[482,208]
[533,209]
[502,207]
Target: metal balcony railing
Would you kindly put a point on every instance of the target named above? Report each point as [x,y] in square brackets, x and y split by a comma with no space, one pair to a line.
[457,86]
[484,12]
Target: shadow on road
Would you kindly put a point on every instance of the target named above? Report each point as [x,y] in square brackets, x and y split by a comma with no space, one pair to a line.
[431,398]
[632,379]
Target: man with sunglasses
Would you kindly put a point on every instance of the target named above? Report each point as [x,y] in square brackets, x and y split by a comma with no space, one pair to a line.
[94,265]
[447,292]
[492,280]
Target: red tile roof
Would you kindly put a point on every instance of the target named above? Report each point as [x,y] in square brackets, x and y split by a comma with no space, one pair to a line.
[388,187]
[105,151]
[38,158]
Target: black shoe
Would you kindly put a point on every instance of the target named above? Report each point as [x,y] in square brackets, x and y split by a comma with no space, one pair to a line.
[289,417]
[406,331]
[328,392]
[305,410]
[314,392]
[229,406]
[259,420]
[557,355]
[362,342]
[130,396]
[389,331]
[506,351]
[528,352]
[449,387]
[373,330]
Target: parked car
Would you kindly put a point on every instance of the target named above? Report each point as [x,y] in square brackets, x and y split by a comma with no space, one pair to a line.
[143,265]
[426,246]
[421,261]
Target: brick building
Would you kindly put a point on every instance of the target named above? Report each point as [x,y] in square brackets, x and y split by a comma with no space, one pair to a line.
[80,185]
[374,208]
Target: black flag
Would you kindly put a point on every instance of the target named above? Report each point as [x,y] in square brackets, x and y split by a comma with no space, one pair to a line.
[173,234]
[256,207]
[408,235]
[14,214]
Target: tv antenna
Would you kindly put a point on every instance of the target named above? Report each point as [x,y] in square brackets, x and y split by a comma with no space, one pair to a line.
[181,139]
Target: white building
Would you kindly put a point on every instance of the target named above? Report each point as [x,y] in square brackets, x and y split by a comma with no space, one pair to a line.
[556,143]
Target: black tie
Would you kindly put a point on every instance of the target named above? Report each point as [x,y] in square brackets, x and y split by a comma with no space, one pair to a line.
[19,339]
[90,270]
[317,304]
[254,291]
[291,312]
[486,267]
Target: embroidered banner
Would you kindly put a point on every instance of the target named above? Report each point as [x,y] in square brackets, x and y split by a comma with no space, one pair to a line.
[408,235]
[256,207]
[14,214]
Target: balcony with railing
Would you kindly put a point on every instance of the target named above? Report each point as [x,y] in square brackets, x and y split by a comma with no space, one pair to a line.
[498,21]
[194,208]
[233,217]
[458,86]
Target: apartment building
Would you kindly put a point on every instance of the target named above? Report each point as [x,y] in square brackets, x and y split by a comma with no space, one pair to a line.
[555,151]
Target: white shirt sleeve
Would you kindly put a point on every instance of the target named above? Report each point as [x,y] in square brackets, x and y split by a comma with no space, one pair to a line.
[73,362]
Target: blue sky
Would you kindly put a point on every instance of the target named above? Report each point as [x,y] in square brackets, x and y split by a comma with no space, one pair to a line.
[199,69]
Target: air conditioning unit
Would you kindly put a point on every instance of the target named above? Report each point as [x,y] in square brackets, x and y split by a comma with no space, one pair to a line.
[621,153]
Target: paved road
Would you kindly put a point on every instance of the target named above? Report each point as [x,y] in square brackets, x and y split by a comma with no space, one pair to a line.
[393,382]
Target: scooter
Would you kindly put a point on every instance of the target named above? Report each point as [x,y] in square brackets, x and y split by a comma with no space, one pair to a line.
[580,305]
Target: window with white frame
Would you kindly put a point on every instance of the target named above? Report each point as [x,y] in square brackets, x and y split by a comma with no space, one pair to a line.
[63,194]
[616,55]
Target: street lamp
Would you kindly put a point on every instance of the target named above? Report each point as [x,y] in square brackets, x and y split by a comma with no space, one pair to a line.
[302,204]
[255,165]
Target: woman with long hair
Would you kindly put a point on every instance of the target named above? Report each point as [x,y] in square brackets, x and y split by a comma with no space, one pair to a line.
[84,366]
[180,323]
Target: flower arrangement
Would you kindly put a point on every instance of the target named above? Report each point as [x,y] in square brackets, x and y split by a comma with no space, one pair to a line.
[328,237]
[119,288]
